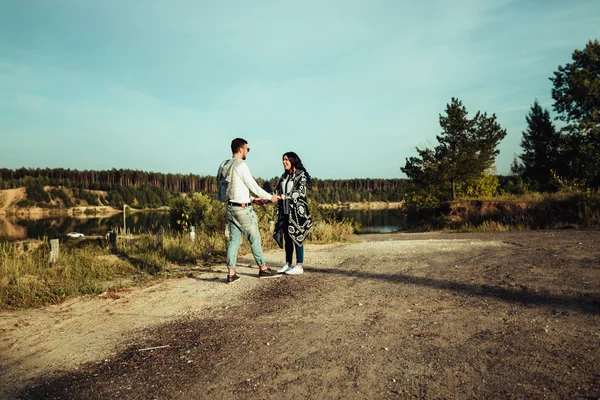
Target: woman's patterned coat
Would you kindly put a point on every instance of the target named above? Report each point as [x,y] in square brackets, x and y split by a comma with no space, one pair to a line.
[299,220]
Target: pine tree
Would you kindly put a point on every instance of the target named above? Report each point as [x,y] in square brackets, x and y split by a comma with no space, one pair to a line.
[576,95]
[540,145]
[467,148]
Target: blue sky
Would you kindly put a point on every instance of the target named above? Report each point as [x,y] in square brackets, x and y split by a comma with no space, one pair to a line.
[351,86]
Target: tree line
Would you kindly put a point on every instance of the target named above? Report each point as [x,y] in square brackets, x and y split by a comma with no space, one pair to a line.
[463,162]
[570,155]
[107,179]
[152,189]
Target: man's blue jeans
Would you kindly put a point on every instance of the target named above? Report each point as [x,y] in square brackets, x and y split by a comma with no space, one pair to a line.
[243,221]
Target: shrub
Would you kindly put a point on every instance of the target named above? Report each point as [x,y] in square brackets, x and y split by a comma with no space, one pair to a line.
[59,193]
[25,203]
[36,192]
[199,210]
[88,197]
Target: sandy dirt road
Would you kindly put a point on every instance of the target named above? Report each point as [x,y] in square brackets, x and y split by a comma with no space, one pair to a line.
[495,315]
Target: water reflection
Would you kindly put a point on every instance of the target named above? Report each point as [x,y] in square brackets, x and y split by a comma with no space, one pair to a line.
[377,221]
[54,227]
[372,221]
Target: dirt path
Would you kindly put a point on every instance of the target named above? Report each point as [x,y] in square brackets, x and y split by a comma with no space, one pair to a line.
[511,315]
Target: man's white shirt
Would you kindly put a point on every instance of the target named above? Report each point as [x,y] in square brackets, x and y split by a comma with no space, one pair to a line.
[244,183]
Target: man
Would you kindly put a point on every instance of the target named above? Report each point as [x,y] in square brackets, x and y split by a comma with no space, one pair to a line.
[240,215]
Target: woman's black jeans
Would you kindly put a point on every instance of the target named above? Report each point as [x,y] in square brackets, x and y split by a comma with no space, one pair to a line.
[289,246]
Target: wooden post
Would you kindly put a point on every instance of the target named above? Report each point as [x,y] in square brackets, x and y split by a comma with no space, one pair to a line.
[112,240]
[160,238]
[124,220]
[53,250]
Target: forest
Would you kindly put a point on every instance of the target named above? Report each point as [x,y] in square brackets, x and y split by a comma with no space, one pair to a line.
[152,189]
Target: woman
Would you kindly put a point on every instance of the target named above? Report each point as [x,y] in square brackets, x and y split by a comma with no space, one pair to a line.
[293,217]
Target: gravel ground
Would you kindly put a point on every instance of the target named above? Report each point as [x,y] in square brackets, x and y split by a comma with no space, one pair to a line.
[479,315]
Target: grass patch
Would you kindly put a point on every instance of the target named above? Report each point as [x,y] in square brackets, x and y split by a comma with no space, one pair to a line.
[27,279]
[86,267]
[339,231]
[575,210]
[486,226]
[532,197]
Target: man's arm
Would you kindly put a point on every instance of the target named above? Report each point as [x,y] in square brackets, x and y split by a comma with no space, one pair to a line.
[244,173]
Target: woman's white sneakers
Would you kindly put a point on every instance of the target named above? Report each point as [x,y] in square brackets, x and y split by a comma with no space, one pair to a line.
[285,268]
[295,271]
[289,270]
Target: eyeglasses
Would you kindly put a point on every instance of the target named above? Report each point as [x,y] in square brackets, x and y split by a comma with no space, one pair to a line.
[248,149]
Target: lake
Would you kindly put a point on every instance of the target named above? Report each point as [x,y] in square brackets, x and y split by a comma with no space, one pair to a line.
[373,221]
[377,221]
[54,227]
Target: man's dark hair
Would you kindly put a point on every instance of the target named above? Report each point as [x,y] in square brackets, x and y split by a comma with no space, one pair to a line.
[237,144]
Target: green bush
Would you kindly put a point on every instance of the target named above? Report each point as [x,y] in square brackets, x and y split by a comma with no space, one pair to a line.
[36,192]
[198,210]
[25,203]
[532,211]
[59,193]
[88,197]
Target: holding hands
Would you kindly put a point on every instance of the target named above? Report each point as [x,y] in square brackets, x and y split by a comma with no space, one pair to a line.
[261,202]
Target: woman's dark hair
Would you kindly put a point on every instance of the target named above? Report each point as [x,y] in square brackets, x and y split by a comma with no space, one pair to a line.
[296,163]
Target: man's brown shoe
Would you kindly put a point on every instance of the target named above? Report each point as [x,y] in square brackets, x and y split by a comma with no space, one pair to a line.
[268,273]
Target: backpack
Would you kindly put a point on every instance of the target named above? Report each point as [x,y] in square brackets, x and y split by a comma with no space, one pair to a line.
[224,177]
